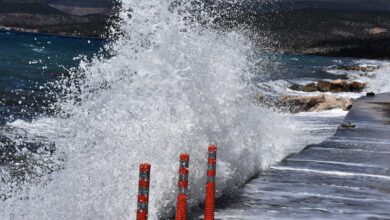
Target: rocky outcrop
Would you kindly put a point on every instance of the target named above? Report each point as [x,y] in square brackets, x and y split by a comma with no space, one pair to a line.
[335,86]
[311,87]
[319,103]
[359,68]
[296,104]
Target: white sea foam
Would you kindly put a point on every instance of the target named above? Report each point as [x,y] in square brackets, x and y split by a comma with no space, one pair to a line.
[381,81]
[168,88]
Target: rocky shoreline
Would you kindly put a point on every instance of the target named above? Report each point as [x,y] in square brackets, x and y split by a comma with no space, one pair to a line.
[318,96]
[297,104]
[335,86]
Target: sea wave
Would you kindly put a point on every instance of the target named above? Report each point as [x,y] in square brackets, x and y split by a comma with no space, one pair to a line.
[169,87]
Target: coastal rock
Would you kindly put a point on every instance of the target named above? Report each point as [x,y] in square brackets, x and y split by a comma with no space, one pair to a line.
[357,86]
[324,86]
[359,68]
[335,86]
[347,125]
[311,87]
[319,103]
[340,86]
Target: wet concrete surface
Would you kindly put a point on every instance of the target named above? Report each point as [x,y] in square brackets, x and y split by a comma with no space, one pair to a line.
[344,177]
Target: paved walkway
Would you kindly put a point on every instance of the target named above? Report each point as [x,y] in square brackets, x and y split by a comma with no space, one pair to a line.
[345,177]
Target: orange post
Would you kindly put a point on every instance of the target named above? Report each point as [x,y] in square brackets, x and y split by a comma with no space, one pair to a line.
[143,191]
[181,208]
[210,184]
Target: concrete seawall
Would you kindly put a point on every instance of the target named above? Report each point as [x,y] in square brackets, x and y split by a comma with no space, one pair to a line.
[344,177]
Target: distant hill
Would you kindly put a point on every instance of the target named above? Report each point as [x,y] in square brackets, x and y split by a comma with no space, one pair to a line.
[22,1]
[78,3]
[340,5]
[82,3]
[65,17]
[356,28]
[359,28]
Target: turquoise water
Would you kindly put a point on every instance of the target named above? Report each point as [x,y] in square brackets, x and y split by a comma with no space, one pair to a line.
[28,62]
[26,59]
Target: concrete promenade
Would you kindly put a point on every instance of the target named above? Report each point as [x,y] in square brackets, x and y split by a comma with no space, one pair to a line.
[344,177]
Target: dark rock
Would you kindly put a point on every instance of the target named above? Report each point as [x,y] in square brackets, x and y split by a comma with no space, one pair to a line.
[357,86]
[331,86]
[340,86]
[324,86]
[311,87]
[347,125]
[358,68]
[370,94]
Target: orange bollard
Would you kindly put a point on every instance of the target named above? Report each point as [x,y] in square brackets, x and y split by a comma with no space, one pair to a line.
[143,191]
[181,208]
[210,184]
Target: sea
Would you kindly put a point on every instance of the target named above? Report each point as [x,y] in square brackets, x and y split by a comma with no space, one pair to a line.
[79,115]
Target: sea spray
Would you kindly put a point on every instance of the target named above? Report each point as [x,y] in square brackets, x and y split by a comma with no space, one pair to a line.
[167,88]
[379,81]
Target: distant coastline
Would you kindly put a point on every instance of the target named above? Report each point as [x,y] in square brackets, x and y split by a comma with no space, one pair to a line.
[87,18]
[328,28]
[36,32]
[317,31]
